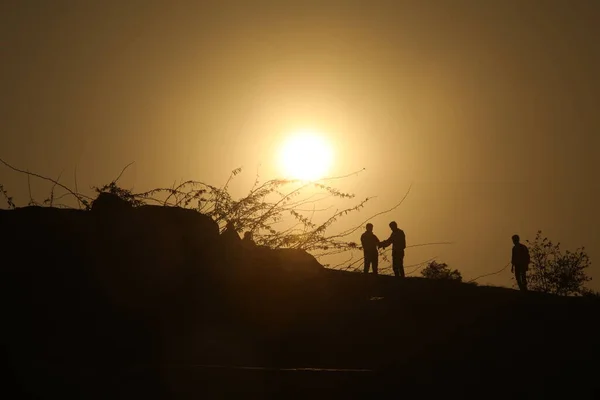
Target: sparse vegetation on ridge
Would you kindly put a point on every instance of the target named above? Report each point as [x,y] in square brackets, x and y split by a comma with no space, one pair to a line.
[274,202]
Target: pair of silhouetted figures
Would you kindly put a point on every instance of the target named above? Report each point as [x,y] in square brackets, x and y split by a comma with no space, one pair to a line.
[370,244]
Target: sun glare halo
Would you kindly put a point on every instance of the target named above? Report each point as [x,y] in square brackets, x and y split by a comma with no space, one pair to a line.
[305,155]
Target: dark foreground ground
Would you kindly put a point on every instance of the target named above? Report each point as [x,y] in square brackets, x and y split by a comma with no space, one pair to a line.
[342,335]
[152,302]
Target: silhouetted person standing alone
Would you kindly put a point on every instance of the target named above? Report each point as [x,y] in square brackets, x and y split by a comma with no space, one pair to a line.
[520,262]
[398,240]
[369,243]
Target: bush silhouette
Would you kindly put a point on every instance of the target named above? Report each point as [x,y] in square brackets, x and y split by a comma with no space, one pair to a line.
[437,270]
[278,213]
[554,271]
[266,205]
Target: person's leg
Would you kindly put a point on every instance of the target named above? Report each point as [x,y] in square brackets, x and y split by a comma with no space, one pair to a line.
[519,278]
[367,262]
[523,273]
[399,263]
[375,264]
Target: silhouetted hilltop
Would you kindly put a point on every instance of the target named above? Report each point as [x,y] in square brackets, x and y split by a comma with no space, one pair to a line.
[106,302]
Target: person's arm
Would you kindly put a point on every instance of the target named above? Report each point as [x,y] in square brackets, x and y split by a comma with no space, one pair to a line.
[512,260]
[386,242]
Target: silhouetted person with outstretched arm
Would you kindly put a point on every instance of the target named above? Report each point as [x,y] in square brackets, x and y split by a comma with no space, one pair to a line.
[369,243]
[398,241]
[520,262]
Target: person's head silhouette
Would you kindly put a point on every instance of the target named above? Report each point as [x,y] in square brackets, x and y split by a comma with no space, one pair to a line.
[393,225]
[369,227]
[516,239]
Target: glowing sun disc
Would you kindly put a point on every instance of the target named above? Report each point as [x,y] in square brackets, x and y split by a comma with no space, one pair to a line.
[305,156]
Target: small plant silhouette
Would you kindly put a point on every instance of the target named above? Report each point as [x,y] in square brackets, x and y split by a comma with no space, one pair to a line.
[557,272]
[437,270]
[266,205]
[9,199]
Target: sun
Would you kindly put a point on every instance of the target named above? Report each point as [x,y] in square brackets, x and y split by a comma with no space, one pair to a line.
[305,155]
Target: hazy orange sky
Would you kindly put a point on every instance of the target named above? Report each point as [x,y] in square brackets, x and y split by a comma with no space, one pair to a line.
[488,108]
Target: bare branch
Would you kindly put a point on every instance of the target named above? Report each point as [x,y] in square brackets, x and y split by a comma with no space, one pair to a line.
[341,176]
[429,244]
[31,201]
[351,231]
[76,188]
[123,171]
[490,274]
[78,196]
[9,199]
[52,190]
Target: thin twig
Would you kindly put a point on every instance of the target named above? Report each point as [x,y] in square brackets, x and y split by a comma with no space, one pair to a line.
[9,199]
[332,178]
[123,171]
[351,231]
[31,201]
[76,195]
[429,244]
[52,190]
[490,274]
[76,188]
